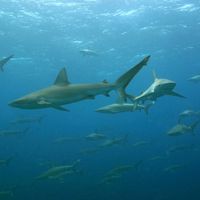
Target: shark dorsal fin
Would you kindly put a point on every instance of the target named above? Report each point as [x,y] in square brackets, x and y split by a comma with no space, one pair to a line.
[154,74]
[62,78]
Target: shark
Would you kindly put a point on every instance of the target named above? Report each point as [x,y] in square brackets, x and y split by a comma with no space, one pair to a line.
[141,143]
[155,158]
[9,132]
[118,171]
[88,52]
[25,120]
[181,129]
[179,148]
[4,61]
[64,92]
[195,79]
[6,162]
[160,87]
[124,107]
[7,194]
[58,172]
[114,141]
[95,136]
[187,114]
[173,168]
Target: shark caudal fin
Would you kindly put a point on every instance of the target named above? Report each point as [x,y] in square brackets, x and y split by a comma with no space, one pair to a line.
[4,61]
[123,81]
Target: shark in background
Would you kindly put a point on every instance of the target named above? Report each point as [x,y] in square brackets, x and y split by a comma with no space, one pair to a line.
[63,92]
[195,79]
[4,61]
[125,107]
[160,87]
[187,114]
[181,129]
[88,52]
[58,172]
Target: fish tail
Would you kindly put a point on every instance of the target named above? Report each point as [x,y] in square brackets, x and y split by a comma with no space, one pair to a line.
[123,81]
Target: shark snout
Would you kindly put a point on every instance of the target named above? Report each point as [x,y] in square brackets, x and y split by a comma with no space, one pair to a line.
[167,85]
[100,110]
[19,103]
[15,103]
[12,104]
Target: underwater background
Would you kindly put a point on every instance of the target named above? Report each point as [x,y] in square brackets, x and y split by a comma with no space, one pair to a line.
[46,35]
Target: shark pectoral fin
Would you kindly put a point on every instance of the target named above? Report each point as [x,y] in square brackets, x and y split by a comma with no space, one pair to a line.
[57,107]
[176,94]
[45,102]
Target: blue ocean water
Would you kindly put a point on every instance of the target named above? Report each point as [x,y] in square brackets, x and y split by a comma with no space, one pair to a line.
[46,35]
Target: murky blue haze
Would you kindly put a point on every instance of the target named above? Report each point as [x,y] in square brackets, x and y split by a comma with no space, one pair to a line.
[46,35]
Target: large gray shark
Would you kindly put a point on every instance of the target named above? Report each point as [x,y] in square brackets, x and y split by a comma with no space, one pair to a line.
[4,61]
[63,92]
[158,88]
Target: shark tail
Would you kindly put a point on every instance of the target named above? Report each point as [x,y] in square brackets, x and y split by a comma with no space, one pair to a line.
[123,81]
[4,61]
